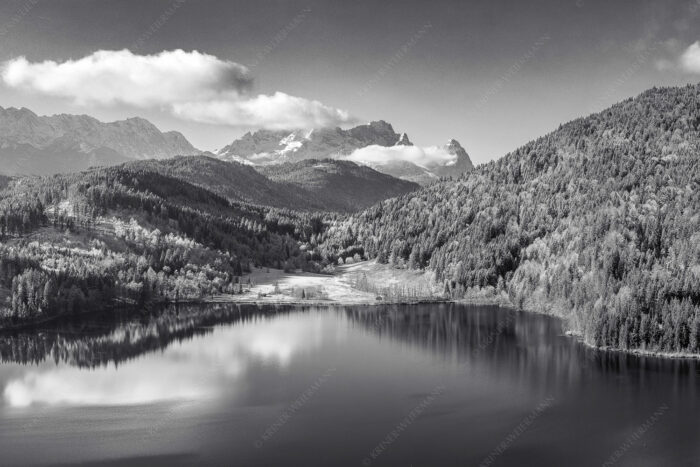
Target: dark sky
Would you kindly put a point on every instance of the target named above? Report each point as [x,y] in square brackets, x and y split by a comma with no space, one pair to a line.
[492,74]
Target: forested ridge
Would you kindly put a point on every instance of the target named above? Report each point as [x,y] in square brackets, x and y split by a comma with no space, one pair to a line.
[342,185]
[596,222]
[231,180]
[133,235]
[308,185]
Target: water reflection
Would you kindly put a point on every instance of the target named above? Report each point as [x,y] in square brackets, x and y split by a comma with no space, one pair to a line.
[204,382]
[115,338]
[486,337]
[498,338]
[184,369]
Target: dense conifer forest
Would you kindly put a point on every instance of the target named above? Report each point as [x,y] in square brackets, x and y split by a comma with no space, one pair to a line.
[597,222]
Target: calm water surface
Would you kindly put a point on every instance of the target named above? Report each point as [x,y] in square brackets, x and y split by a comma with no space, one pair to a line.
[397,385]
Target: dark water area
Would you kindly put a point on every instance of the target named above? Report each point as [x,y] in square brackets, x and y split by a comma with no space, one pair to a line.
[420,385]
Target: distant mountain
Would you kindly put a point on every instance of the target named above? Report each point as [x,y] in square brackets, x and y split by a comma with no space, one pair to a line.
[462,165]
[327,185]
[342,184]
[265,147]
[32,144]
[424,174]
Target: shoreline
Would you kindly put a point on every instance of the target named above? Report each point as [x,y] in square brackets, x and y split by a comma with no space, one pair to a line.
[330,303]
[578,336]
[275,288]
[635,352]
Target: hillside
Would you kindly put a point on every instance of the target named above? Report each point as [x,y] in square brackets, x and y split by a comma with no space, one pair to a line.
[596,222]
[341,185]
[304,186]
[129,235]
[42,145]
[234,181]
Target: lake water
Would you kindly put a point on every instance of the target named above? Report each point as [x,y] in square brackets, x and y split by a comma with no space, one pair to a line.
[423,385]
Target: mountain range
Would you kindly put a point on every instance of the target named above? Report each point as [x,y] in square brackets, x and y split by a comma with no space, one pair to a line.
[385,150]
[41,145]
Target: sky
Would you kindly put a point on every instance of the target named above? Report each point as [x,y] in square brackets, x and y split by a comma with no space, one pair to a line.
[493,74]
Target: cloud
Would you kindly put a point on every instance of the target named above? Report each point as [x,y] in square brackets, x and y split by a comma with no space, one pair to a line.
[190,85]
[113,77]
[279,111]
[690,59]
[427,157]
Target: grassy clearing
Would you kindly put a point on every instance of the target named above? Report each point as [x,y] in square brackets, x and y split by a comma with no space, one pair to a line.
[350,284]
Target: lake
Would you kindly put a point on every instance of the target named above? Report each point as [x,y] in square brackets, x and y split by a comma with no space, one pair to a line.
[419,385]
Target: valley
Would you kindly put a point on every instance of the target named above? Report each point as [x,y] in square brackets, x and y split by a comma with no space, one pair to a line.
[599,234]
[340,233]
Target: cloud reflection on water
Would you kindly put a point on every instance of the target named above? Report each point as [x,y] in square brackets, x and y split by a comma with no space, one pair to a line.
[193,369]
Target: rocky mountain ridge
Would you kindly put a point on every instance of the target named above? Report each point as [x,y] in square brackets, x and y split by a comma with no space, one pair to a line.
[266,147]
[33,144]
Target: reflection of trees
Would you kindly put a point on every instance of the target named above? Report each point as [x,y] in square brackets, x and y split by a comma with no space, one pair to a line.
[528,344]
[100,340]
[525,343]
[455,330]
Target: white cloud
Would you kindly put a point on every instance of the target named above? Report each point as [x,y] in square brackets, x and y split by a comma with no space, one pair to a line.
[279,111]
[112,77]
[427,157]
[191,85]
[690,59]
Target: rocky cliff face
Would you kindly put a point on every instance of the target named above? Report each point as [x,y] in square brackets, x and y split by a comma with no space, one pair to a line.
[266,147]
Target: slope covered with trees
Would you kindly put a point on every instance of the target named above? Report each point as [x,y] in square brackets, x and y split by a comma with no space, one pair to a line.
[74,242]
[232,180]
[597,222]
[342,185]
[308,185]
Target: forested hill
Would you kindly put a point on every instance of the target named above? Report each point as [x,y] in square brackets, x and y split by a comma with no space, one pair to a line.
[341,185]
[175,229]
[599,222]
[231,180]
[308,185]
[121,234]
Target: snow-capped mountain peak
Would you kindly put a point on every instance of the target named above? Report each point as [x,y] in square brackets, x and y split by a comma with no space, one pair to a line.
[267,147]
